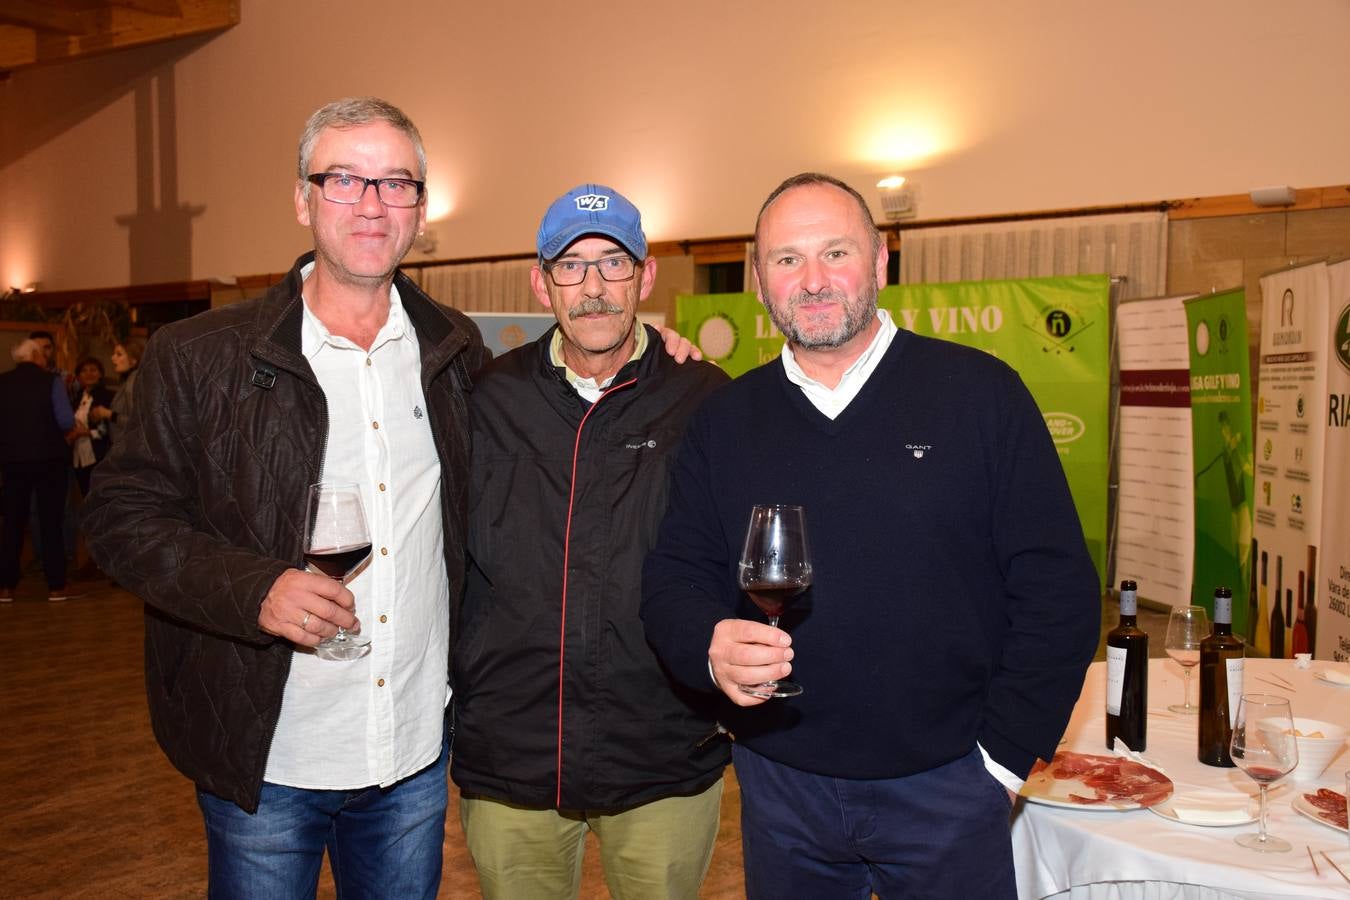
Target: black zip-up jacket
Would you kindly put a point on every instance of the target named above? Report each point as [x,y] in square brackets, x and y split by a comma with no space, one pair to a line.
[199,507]
[559,701]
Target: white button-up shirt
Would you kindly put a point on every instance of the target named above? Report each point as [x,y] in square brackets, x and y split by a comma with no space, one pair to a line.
[832,401]
[376,719]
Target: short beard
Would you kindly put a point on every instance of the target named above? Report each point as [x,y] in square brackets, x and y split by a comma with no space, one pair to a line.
[857,316]
[593,306]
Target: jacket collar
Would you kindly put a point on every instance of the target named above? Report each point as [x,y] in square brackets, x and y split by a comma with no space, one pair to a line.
[281,314]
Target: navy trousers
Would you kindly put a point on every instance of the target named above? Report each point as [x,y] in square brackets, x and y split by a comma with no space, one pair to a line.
[47,480]
[937,834]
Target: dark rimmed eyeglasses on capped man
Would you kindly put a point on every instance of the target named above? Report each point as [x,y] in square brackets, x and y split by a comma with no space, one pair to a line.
[567,272]
[344,187]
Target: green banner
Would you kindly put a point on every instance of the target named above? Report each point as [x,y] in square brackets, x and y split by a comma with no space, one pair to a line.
[1221,441]
[1053,331]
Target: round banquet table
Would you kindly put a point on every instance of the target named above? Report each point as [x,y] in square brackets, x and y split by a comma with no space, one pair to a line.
[1109,854]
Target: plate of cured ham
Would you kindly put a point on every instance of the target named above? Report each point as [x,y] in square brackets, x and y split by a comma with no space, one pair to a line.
[1085,781]
[1323,805]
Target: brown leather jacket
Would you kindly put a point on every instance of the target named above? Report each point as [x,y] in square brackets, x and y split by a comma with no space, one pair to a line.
[199,506]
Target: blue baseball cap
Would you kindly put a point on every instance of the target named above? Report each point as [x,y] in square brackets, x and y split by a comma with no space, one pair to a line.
[591,209]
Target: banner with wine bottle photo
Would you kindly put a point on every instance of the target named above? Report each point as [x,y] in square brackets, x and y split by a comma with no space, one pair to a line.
[1221,448]
[1289,465]
[1053,331]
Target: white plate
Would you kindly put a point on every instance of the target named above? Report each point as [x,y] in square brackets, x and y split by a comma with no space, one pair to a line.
[1165,810]
[1302,806]
[1321,675]
[1104,806]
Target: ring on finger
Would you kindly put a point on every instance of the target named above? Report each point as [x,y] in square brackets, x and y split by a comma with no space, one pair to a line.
[305,622]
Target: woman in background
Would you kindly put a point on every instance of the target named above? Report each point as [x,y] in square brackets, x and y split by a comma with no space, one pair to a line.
[126,356]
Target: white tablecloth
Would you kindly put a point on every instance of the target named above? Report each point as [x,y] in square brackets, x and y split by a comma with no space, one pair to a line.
[1106,855]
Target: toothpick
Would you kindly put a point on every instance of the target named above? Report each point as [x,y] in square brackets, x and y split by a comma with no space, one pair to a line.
[1334,866]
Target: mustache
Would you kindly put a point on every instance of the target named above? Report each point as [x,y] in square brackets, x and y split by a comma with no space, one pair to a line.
[594,306]
[831,295]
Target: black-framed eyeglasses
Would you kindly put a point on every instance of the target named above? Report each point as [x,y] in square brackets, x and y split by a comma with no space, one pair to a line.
[567,272]
[344,187]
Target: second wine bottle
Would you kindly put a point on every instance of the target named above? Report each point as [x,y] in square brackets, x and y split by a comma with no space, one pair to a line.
[1221,671]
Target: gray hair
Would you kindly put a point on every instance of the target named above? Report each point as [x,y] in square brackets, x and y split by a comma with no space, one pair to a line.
[806,179]
[351,112]
[26,350]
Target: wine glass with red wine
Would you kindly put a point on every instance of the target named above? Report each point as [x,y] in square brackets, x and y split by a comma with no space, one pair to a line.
[775,569]
[1264,746]
[337,543]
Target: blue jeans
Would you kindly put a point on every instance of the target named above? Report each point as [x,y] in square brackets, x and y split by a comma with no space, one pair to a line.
[381,842]
[934,835]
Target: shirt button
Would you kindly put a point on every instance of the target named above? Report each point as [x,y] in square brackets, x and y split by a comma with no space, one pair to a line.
[381,485]
[375,425]
[380,682]
[368,360]
[384,551]
[383,619]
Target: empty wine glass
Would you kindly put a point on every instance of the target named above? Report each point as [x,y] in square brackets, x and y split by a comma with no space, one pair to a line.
[775,568]
[1264,747]
[1186,628]
[337,542]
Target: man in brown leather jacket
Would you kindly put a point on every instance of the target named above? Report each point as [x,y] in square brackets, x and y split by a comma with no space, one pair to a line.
[343,371]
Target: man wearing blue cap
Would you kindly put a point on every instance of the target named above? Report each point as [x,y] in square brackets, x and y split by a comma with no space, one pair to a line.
[566,723]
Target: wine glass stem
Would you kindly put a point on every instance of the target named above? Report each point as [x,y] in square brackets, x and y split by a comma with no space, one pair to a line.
[773,621]
[1262,828]
[1187,688]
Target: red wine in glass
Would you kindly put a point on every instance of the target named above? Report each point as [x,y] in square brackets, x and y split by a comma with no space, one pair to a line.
[1264,747]
[338,562]
[775,569]
[337,542]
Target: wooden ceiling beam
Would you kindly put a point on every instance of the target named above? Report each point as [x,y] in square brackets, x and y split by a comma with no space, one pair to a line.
[44,17]
[115,25]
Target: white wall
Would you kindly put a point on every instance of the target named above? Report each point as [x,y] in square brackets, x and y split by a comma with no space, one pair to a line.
[696,111]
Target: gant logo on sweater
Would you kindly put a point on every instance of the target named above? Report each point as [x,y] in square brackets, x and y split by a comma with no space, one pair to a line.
[918,449]
[648,444]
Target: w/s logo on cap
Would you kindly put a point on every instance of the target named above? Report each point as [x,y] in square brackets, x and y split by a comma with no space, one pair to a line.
[593,202]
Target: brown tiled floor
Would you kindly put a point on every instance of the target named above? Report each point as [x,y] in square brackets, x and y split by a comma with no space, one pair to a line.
[92,808]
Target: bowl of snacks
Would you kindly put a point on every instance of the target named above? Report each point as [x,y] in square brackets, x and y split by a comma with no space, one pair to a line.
[1318,744]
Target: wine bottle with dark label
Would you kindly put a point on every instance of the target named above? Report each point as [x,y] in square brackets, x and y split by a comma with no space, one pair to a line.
[1221,670]
[1262,642]
[1127,676]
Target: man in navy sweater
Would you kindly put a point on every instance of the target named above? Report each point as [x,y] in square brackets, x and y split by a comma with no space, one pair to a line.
[954,608]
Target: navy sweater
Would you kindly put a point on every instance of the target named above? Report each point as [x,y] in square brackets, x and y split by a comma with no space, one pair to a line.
[953,596]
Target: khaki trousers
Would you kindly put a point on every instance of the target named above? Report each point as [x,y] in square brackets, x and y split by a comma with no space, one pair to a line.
[657,851]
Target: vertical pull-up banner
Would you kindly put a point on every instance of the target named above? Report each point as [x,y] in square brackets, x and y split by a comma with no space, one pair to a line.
[1291,440]
[1331,574]
[1221,426]
[1155,505]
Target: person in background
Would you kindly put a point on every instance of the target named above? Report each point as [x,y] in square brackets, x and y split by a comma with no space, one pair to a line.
[565,722]
[91,438]
[343,371]
[954,608]
[47,342]
[126,359]
[34,463]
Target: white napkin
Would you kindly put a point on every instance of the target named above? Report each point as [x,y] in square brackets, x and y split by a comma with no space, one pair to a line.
[1211,814]
[1336,675]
